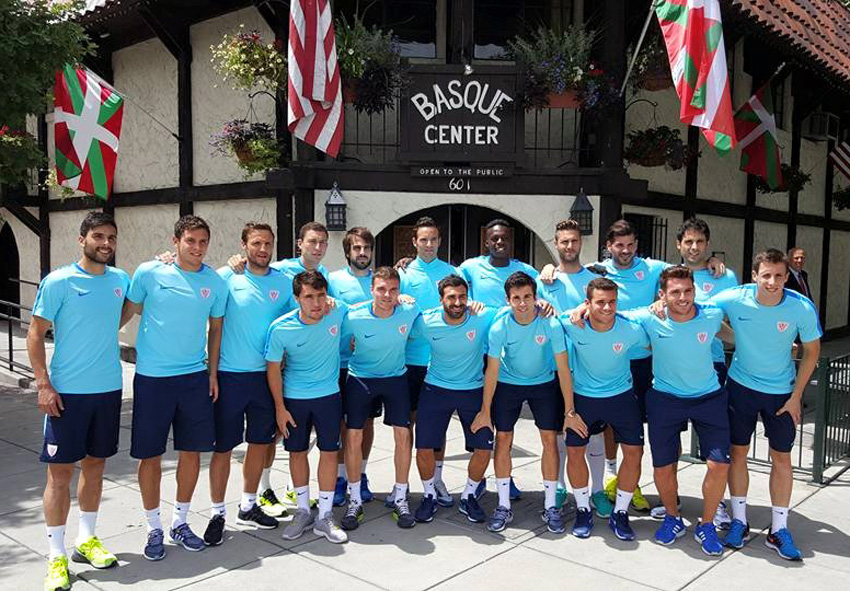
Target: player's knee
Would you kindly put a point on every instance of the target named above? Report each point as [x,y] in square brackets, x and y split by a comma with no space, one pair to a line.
[780,459]
[632,452]
[60,475]
[575,453]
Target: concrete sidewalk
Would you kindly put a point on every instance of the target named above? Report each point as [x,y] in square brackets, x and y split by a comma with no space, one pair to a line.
[449,553]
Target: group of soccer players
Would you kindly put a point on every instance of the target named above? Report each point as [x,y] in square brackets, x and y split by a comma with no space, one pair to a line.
[260,351]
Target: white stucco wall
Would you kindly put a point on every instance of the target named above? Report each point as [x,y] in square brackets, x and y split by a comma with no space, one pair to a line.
[727,236]
[147,154]
[769,235]
[813,158]
[226,219]
[377,209]
[839,279]
[214,102]
[811,240]
[64,230]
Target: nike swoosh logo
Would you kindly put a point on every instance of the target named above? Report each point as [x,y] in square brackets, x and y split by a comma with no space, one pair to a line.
[83,293]
[664,336]
[368,336]
[169,287]
[742,319]
[437,338]
[511,344]
[239,288]
[580,343]
[301,344]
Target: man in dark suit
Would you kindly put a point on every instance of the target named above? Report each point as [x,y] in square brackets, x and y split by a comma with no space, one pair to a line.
[798,279]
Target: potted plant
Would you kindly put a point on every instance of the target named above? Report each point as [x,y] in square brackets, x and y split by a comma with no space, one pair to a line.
[657,146]
[555,65]
[370,64]
[652,67]
[841,199]
[253,144]
[19,155]
[793,179]
[247,61]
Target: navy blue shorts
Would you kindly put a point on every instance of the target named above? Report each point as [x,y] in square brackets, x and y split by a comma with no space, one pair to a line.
[436,406]
[376,409]
[243,396]
[361,394]
[641,382]
[620,412]
[745,408]
[722,372]
[89,426]
[323,413]
[415,381]
[543,400]
[179,403]
[708,414]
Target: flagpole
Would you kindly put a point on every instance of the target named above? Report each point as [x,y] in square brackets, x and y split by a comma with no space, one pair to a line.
[639,43]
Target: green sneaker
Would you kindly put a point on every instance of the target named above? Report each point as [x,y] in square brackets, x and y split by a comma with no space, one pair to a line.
[270,505]
[561,495]
[292,499]
[92,552]
[57,574]
[600,502]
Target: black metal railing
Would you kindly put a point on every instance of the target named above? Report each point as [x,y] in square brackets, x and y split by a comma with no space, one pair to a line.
[10,317]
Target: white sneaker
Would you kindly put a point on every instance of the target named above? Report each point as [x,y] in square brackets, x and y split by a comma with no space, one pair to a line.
[328,527]
[299,524]
[722,520]
[444,497]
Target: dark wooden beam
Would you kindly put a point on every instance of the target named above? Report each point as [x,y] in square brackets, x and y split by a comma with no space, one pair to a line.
[30,221]
[827,235]
[43,203]
[173,33]
[283,219]
[749,228]
[691,170]
[611,127]
[797,117]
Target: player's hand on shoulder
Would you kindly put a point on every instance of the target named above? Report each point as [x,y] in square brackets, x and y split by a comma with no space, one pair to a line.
[658,308]
[475,307]
[237,263]
[402,263]
[166,258]
[406,299]
[578,314]
[716,266]
[547,274]
[544,308]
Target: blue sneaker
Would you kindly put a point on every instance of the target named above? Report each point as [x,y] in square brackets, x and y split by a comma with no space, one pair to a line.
[672,528]
[782,542]
[502,516]
[583,523]
[482,488]
[155,549]
[365,494]
[554,520]
[515,494]
[738,534]
[473,511]
[426,510]
[389,502]
[185,537]
[706,535]
[619,524]
[340,491]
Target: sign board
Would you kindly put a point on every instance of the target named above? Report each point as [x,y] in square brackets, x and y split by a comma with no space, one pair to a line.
[447,116]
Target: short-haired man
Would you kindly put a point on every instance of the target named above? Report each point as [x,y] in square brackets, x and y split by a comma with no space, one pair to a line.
[352,284]
[762,383]
[245,408]
[798,278]
[419,279]
[685,388]
[306,396]
[378,329]
[173,388]
[454,382]
[523,352]
[81,395]
[603,396]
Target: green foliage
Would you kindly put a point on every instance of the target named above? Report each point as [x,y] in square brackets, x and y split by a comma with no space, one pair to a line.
[657,146]
[247,62]
[793,179]
[841,199]
[19,154]
[253,144]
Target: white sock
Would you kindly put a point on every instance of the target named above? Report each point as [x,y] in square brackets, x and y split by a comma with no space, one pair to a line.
[363,465]
[302,497]
[595,454]
[399,492]
[503,487]
[340,472]
[428,487]
[471,485]
[248,501]
[56,539]
[739,508]
[88,520]
[326,502]
[779,519]
[550,487]
[623,500]
[153,518]
[354,493]
[218,509]
[265,481]
[178,517]
[438,471]
[582,496]
[562,462]
[611,466]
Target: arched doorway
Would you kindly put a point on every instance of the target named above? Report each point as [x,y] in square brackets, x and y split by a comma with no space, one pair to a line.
[462,229]
[10,270]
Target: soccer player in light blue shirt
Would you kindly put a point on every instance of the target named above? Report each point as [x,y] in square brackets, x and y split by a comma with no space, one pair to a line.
[454,382]
[305,343]
[524,350]
[313,244]
[173,388]
[762,382]
[81,394]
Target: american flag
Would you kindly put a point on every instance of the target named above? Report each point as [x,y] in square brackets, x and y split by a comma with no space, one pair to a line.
[315,109]
[840,156]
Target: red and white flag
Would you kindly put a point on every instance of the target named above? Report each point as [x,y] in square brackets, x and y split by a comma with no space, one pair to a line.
[315,108]
[840,156]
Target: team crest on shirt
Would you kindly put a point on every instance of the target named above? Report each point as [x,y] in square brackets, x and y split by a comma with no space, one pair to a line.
[707,287]
[333,330]
[470,335]
[702,337]
[118,292]
[205,292]
[273,294]
[403,329]
[639,275]
[781,326]
[52,448]
[541,338]
[618,348]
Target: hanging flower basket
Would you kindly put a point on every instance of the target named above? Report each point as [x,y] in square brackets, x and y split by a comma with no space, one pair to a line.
[243,154]
[247,62]
[657,146]
[349,93]
[253,144]
[656,78]
[793,179]
[841,199]
[566,100]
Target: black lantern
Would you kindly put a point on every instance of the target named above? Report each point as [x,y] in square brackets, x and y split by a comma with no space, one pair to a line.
[582,212]
[335,209]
